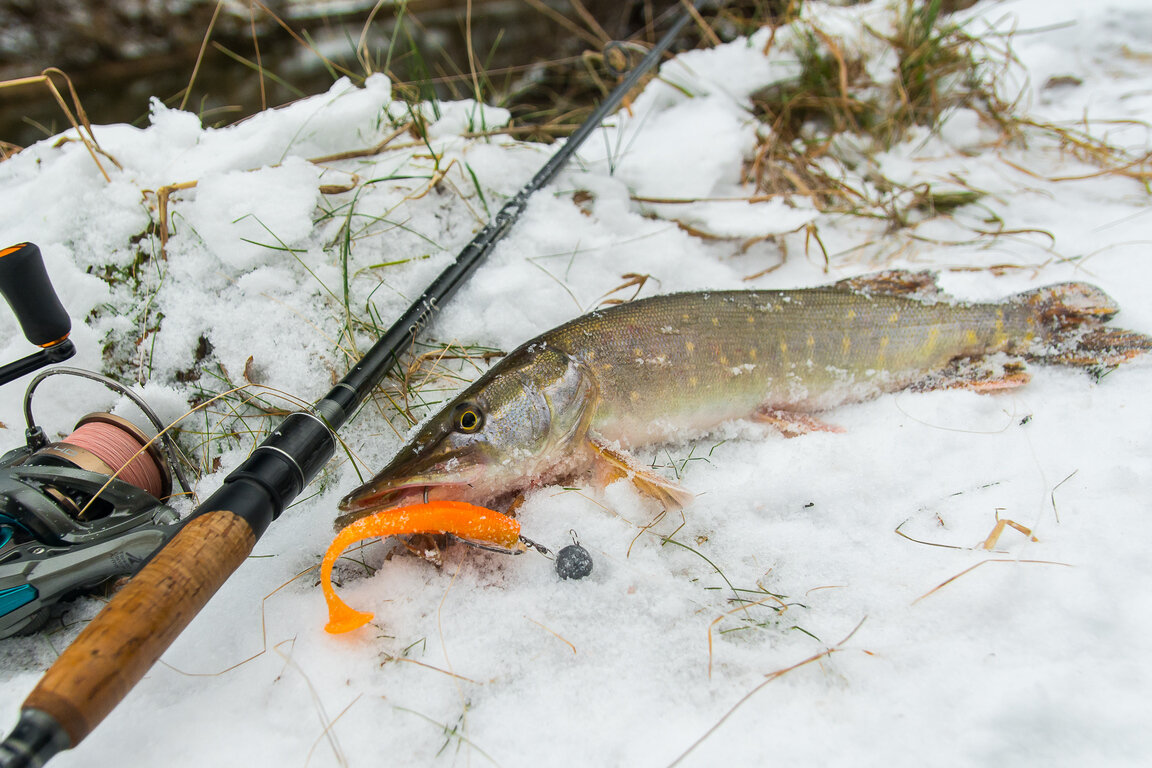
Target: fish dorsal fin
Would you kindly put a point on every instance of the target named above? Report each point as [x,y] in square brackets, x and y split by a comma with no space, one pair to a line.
[894,282]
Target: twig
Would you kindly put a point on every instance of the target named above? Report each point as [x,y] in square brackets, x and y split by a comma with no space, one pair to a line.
[705,30]
[586,16]
[434,668]
[1053,494]
[162,195]
[553,632]
[565,22]
[296,36]
[771,677]
[971,568]
[726,614]
[369,152]
[470,51]
[259,64]
[79,121]
[200,56]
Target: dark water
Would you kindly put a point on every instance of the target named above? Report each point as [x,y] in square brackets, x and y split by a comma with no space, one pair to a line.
[429,50]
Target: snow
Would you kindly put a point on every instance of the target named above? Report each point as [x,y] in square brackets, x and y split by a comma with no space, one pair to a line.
[1035,653]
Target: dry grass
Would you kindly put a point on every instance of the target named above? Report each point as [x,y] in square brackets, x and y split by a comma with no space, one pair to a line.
[75,115]
[820,133]
[823,125]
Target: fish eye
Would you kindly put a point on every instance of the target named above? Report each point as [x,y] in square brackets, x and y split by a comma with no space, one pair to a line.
[468,418]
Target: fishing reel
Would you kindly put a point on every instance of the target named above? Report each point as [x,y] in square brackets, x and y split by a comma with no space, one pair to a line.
[88,508]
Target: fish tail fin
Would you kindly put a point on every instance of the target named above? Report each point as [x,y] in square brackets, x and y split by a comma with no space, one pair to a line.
[1074,314]
[1095,348]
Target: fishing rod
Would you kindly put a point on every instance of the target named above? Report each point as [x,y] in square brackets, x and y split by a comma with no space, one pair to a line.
[125,639]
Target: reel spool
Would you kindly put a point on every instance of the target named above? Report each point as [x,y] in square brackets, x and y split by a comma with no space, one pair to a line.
[107,445]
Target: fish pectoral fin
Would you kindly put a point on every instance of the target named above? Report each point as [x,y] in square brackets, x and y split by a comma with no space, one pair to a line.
[668,494]
[977,374]
[894,282]
[612,465]
[793,424]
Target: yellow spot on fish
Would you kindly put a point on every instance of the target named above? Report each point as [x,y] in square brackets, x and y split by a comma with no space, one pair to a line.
[693,381]
[606,367]
[716,321]
[723,360]
[685,318]
[638,352]
[883,351]
[851,314]
[783,347]
[689,346]
[894,317]
[933,337]
[846,344]
[752,353]
[811,342]
[751,318]
[634,396]
[970,337]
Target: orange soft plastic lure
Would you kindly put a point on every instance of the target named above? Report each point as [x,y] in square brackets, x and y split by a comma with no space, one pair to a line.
[456,517]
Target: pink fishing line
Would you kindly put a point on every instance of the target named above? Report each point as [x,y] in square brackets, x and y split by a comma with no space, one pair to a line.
[120,451]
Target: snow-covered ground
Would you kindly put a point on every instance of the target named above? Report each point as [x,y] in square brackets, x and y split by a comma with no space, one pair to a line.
[1036,653]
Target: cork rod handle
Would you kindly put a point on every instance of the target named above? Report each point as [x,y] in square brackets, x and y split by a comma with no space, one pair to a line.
[126,638]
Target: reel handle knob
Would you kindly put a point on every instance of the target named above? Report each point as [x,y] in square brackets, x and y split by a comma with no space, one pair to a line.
[25,284]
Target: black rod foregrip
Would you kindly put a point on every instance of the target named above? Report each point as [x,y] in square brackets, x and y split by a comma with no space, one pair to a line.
[25,284]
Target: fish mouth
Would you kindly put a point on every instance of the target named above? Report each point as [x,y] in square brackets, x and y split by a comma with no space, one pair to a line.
[369,499]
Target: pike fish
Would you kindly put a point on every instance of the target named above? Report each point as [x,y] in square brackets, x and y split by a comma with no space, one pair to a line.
[568,404]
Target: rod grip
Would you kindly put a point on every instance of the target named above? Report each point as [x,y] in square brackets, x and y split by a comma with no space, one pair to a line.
[126,638]
[25,284]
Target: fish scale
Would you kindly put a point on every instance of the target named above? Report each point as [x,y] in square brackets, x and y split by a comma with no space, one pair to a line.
[564,406]
[692,360]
